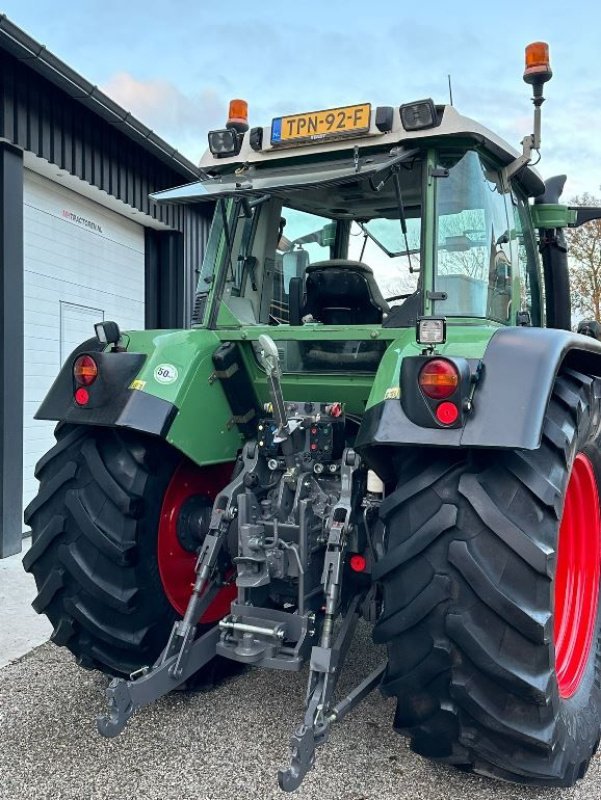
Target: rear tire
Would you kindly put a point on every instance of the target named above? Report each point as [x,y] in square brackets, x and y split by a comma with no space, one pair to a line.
[467,569]
[94,528]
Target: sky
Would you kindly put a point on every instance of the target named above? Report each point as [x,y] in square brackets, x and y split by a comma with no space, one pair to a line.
[175,64]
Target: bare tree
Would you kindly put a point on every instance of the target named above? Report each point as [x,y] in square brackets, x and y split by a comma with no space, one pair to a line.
[584,245]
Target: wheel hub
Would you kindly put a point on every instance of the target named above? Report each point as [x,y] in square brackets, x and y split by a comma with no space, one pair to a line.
[182,526]
[193,522]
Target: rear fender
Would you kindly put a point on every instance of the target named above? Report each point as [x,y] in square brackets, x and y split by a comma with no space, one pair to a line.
[162,385]
[519,367]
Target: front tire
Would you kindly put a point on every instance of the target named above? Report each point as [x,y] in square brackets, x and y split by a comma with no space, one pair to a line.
[480,624]
[95,546]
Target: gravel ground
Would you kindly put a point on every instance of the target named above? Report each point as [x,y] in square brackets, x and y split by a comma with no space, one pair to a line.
[223,745]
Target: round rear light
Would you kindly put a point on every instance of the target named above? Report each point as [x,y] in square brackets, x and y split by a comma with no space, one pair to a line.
[438,379]
[358,563]
[447,413]
[85,370]
[82,396]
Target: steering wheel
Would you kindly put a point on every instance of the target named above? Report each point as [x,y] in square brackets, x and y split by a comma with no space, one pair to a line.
[398,297]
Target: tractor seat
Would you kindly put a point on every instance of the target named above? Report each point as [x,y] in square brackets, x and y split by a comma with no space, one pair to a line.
[342,292]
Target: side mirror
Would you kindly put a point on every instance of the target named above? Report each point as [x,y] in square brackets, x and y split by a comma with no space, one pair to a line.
[590,327]
[327,235]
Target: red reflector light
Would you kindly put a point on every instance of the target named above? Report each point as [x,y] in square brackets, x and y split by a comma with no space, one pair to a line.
[85,370]
[82,396]
[447,413]
[438,379]
[358,563]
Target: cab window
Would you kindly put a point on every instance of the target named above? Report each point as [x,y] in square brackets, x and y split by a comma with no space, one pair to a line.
[473,271]
[526,256]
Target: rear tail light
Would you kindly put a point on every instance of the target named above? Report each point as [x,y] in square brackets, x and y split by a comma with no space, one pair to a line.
[82,396]
[85,370]
[358,563]
[447,413]
[438,379]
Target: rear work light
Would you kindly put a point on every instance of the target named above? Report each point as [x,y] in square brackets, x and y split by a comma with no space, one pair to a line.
[85,370]
[438,379]
[224,142]
[416,116]
[431,330]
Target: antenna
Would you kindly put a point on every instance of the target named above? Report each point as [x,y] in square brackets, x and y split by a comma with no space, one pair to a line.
[450,89]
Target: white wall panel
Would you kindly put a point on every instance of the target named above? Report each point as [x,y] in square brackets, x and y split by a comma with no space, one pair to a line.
[80,259]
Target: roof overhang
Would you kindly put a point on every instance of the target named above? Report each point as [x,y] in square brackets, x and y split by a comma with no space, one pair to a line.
[35,56]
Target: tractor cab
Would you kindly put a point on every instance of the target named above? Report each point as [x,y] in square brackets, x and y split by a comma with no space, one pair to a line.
[365,228]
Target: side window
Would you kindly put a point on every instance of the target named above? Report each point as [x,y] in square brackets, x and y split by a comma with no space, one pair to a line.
[240,291]
[524,243]
[242,267]
[473,264]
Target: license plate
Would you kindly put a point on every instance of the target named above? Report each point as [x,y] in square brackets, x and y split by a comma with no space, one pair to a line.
[331,123]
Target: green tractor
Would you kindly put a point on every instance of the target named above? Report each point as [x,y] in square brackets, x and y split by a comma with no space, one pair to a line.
[379,411]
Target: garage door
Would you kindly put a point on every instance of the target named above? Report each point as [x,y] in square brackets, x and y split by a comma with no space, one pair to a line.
[83,263]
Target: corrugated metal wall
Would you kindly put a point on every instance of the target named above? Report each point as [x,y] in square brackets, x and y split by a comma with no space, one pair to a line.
[37,116]
[196,233]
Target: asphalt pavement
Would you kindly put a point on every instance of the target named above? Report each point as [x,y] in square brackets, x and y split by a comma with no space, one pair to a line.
[222,745]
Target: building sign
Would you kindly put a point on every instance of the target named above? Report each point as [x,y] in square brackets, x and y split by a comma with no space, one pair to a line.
[79,220]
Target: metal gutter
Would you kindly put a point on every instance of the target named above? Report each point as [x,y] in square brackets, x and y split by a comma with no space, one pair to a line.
[36,56]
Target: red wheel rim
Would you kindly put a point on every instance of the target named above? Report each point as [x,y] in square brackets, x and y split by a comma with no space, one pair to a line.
[176,565]
[577,576]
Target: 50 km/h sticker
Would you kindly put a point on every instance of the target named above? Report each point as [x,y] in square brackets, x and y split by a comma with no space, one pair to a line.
[166,373]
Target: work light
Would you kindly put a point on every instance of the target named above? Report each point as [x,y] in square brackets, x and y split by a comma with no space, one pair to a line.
[107,332]
[431,330]
[223,142]
[416,116]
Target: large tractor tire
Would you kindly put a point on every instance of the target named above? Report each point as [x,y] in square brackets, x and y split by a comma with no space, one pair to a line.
[490,585]
[111,573]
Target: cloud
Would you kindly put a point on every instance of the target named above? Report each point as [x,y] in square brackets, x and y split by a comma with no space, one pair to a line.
[180,118]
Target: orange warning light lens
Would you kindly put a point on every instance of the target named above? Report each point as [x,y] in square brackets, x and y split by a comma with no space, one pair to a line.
[237,117]
[538,65]
[537,55]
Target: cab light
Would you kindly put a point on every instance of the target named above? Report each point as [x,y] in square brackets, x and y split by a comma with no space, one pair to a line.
[447,413]
[82,396]
[85,370]
[438,379]
[223,142]
[255,138]
[420,115]
[538,65]
[237,117]
[358,563]
[431,330]
[107,332]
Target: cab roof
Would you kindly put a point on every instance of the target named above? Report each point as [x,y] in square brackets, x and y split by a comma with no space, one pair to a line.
[451,124]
